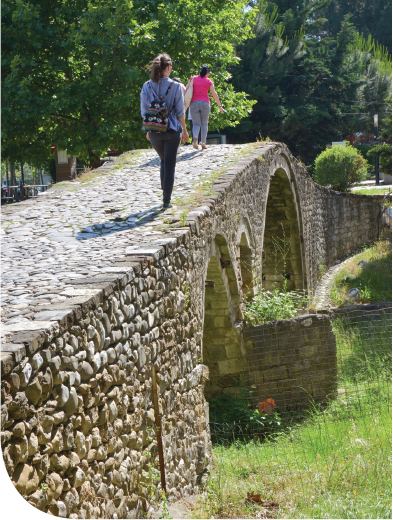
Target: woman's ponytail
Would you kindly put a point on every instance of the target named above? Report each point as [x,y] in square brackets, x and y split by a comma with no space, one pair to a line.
[158,65]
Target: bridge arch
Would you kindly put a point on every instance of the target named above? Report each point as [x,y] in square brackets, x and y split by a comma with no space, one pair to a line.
[283,250]
[221,347]
[246,260]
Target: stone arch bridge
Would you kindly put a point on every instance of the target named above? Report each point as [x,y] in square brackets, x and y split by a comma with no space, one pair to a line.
[100,290]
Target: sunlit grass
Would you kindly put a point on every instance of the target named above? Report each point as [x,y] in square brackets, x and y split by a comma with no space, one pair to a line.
[336,464]
[373,280]
[327,468]
[383,190]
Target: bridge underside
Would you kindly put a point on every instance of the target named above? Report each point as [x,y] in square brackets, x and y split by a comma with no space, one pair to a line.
[282,259]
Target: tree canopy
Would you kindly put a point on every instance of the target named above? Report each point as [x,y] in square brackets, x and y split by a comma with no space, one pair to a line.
[72,71]
[369,18]
[302,73]
[311,88]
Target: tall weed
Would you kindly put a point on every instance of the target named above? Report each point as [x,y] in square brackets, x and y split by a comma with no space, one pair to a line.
[267,306]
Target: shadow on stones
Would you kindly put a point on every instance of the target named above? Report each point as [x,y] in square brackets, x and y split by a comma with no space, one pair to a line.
[180,158]
[136,220]
[189,155]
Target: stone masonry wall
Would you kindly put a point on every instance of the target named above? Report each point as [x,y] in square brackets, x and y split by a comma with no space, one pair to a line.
[292,361]
[332,224]
[78,427]
[77,410]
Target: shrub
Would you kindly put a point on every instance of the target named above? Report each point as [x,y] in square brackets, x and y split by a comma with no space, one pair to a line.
[363,150]
[340,167]
[267,306]
[384,152]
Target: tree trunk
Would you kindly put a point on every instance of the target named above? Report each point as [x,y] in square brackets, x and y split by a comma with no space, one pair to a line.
[13,191]
[94,160]
[6,174]
[12,173]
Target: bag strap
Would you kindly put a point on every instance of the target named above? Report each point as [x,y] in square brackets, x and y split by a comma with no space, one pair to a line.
[152,91]
[169,88]
[161,98]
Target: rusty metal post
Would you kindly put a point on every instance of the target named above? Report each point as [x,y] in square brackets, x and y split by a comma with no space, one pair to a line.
[158,427]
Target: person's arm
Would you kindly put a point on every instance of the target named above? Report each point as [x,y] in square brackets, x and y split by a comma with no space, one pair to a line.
[144,106]
[216,98]
[179,112]
[185,135]
[144,101]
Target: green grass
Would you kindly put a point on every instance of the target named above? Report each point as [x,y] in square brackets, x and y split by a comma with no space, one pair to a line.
[373,280]
[335,464]
[373,191]
[364,352]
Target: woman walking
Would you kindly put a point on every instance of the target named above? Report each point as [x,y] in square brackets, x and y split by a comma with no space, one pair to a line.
[200,105]
[165,143]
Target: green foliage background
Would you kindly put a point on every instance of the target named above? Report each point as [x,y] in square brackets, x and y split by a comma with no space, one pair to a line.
[74,78]
[313,85]
[305,74]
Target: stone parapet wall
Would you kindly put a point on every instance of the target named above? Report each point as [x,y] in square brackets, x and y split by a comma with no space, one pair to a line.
[292,361]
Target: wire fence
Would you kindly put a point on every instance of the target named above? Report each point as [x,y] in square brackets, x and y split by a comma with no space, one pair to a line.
[339,365]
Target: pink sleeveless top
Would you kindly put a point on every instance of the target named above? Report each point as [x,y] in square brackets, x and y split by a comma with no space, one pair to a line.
[201,89]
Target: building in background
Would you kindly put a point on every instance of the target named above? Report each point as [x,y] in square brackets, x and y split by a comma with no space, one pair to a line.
[65,165]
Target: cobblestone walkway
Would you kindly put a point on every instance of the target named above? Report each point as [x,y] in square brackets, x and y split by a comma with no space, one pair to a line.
[79,229]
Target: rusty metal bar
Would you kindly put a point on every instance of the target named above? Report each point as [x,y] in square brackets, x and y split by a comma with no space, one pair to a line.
[158,427]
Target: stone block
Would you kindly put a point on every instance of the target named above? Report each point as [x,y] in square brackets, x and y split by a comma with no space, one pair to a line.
[34,391]
[222,322]
[232,366]
[233,351]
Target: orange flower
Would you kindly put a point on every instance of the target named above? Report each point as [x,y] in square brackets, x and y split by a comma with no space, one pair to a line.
[267,406]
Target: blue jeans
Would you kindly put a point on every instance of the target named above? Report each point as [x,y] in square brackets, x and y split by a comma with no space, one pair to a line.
[200,111]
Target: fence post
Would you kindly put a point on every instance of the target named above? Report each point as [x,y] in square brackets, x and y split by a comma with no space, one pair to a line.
[158,427]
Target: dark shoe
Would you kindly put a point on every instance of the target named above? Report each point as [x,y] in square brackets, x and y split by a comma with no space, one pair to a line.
[167,206]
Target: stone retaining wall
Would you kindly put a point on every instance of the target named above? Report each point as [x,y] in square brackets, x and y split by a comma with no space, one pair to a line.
[292,361]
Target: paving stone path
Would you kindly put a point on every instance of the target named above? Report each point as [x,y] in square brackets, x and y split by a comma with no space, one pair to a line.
[78,229]
[322,300]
